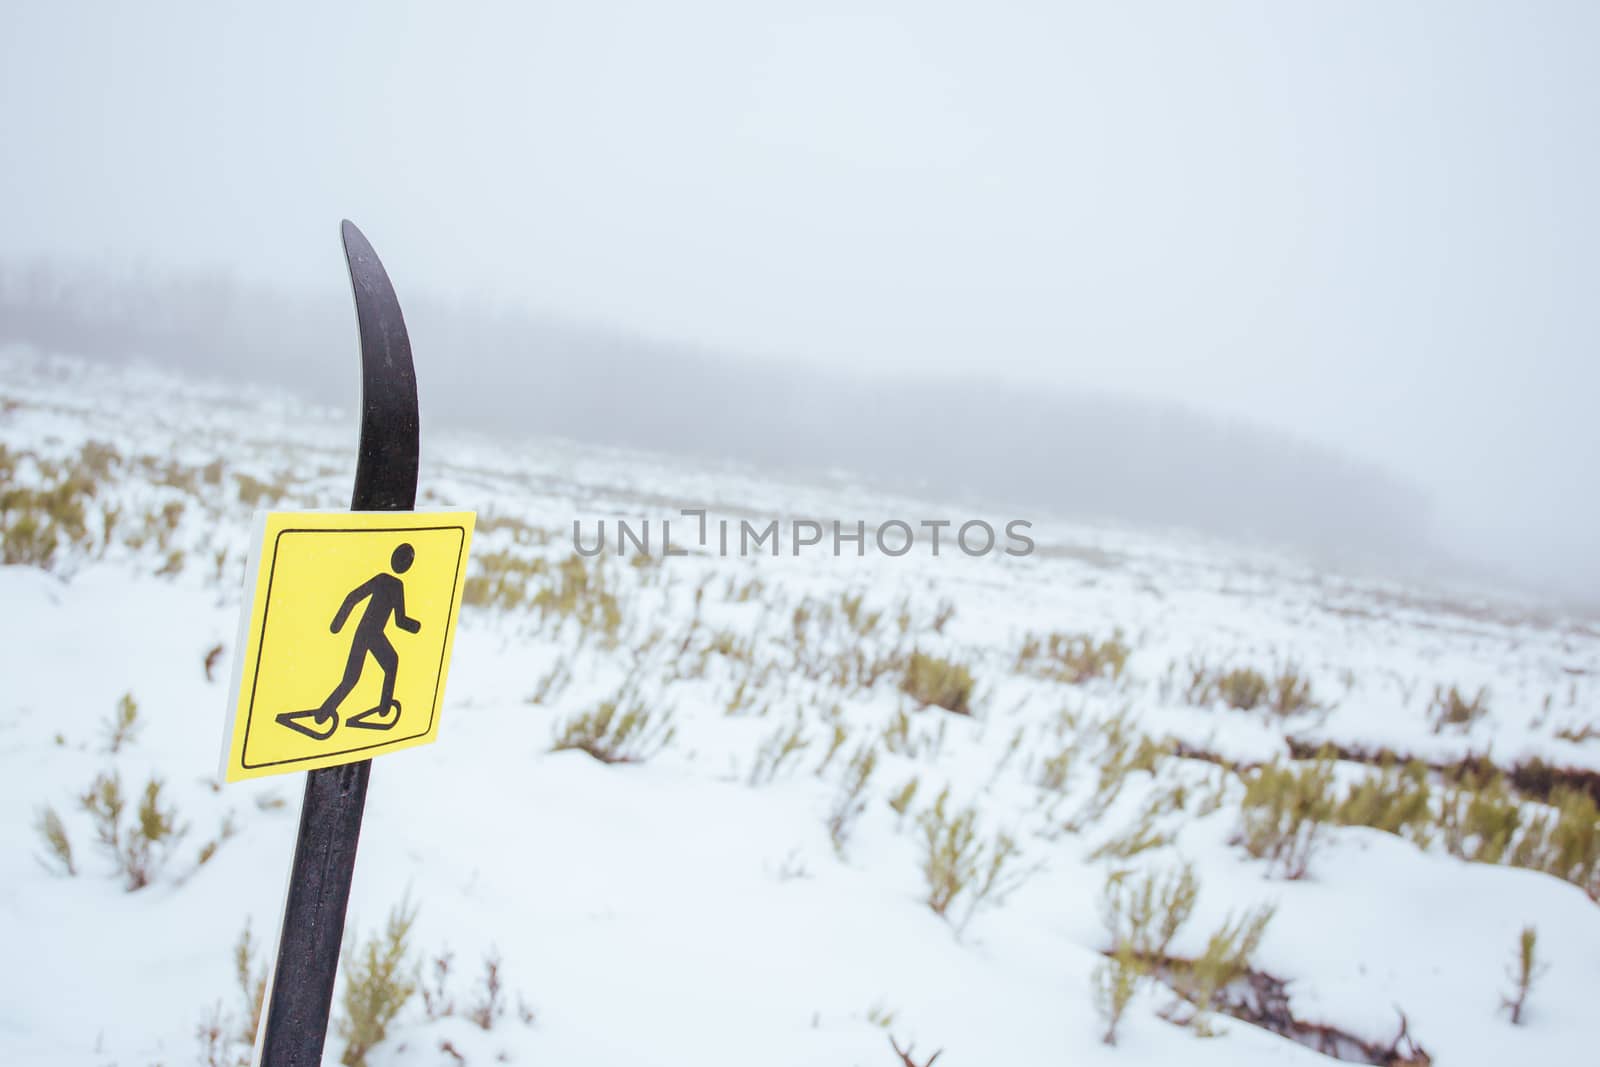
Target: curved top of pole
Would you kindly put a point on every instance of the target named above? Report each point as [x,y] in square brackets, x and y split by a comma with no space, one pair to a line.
[386,465]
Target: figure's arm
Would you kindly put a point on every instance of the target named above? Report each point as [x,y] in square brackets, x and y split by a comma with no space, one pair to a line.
[357,595]
[401,619]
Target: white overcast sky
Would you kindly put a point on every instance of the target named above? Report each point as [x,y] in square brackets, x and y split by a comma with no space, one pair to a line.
[1374,224]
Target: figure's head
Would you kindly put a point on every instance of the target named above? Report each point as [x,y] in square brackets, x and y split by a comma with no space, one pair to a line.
[401,560]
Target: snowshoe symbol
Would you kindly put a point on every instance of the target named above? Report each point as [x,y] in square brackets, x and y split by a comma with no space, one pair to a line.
[385,596]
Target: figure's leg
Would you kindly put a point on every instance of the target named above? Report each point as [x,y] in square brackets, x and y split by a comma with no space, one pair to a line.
[327,716]
[352,675]
[389,661]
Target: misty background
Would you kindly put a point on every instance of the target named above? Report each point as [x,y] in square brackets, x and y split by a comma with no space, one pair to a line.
[1320,275]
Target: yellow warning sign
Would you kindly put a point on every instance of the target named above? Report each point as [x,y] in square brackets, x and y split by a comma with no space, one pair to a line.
[345,638]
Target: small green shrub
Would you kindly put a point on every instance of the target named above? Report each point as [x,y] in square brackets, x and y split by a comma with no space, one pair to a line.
[142,848]
[860,621]
[1286,692]
[151,838]
[578,590]
[619,730]
[105,804]
[1147,914]
[1243,688]
[836,741]
[1563,840]
[28,540]
[501,580]
[255,493]
[123,727]
[1115,980]
[960,865]
[380,978]
[1120,750]
[1072,658]
[37,520]
[252,982]
[1226,960]
[1524,971]
[778,751]
[1479,819]
[208,850]
[1291,693]
[1140,837]
[1057,769]
[930,680]
[1284,811]
[1453,710]
[57,845]
[1396,800]
[850,801]
[901,801]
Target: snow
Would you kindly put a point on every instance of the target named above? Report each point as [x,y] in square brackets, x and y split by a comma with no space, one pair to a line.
[669,911]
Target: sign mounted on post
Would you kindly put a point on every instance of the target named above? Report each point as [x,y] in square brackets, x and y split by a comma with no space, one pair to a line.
[345,637]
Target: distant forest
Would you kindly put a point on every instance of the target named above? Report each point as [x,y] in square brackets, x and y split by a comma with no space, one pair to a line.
[1077,454]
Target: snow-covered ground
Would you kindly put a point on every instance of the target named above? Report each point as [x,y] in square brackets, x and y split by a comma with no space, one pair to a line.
[729,898]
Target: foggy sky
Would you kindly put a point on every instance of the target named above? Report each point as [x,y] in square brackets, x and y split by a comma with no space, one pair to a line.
[1371,226]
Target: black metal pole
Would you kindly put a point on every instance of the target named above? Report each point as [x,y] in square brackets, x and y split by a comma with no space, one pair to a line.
[295,1025]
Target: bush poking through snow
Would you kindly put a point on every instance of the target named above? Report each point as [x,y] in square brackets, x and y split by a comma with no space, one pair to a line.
[489,1004]
[436,1000]
[104,802]
[214,654]
[150,839]
[252,985]
[1524,971]
[490,1007]
[138,850]
[901,801]
[1291,693]
[578,590]
[943,683]
[123,727]
[1285,693]
[905,1054]
[1143,918]
[778,750]
[58,846]
[1284,811]
[1480,819]
[36,520]
[1454,710]
[501,580]
[1564,840]
[850,801]
[620,730]
[379,979]
[1141,836]
[1146,915]
[212,1035]
[1226,960]
[960,866]
[1243,688]
[227,1040]
[1116,979]
[1122,750]
[1396,800]
[1072,658]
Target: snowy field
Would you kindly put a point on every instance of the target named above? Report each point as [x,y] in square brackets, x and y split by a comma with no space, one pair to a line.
[968,806]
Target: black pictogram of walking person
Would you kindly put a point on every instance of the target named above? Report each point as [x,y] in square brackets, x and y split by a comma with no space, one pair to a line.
[385,596]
